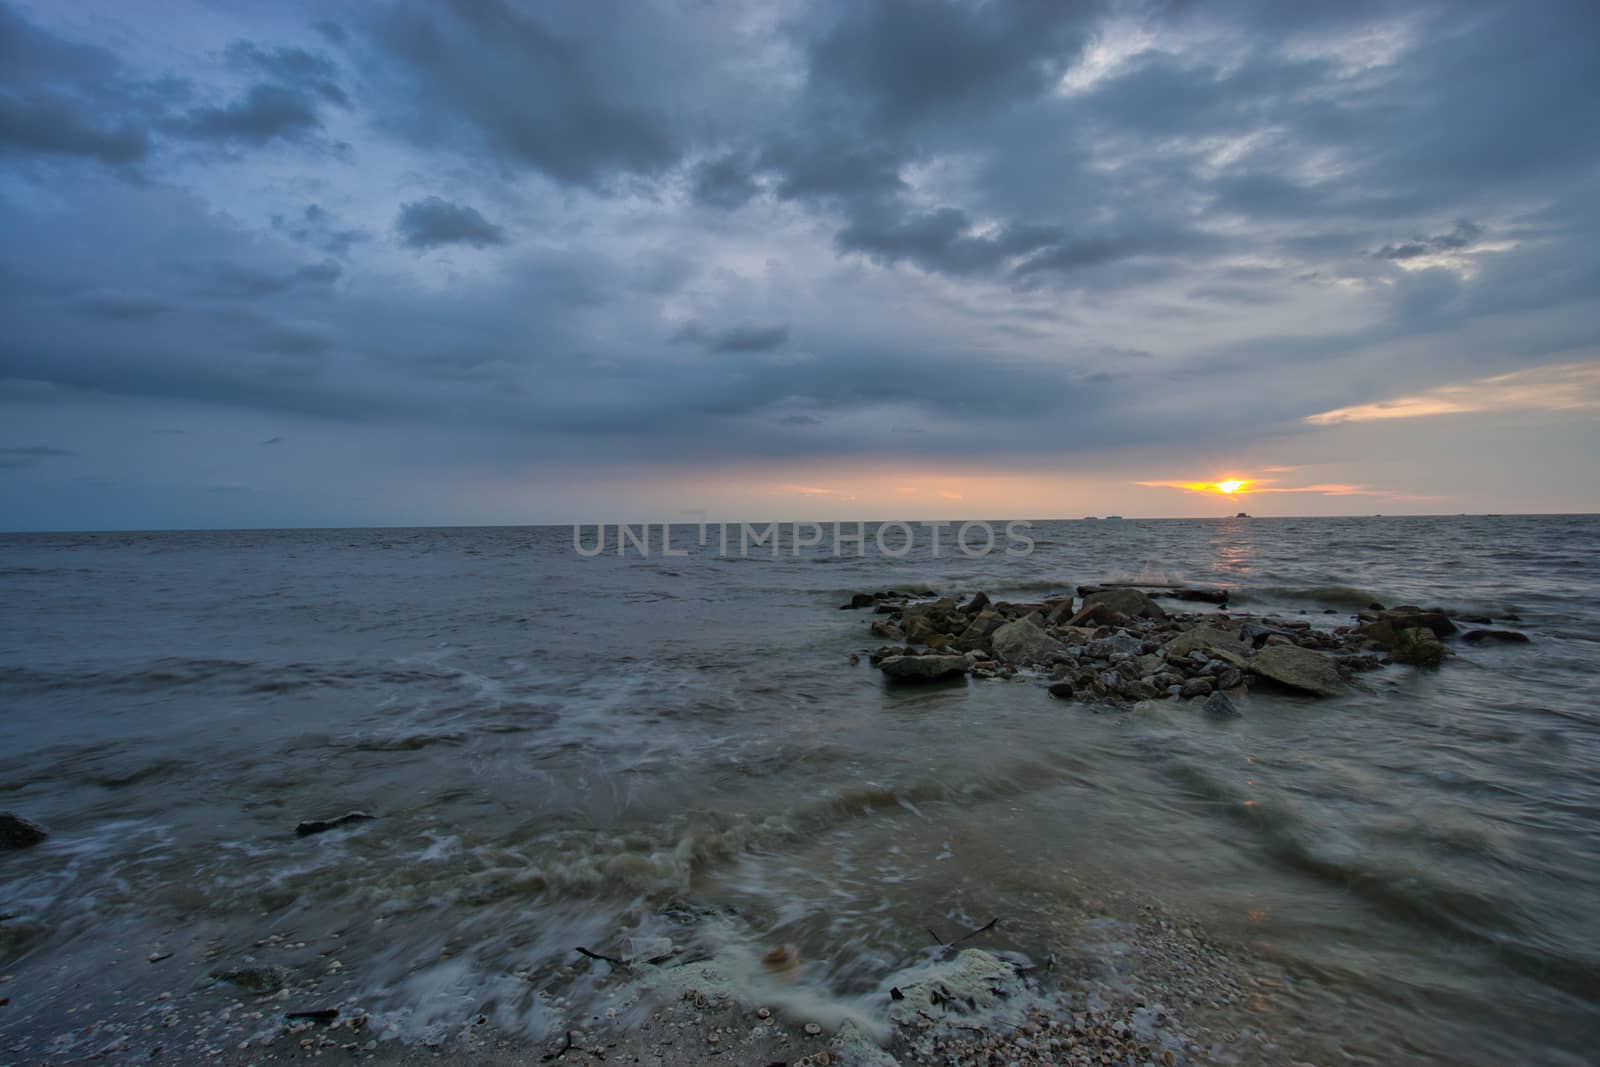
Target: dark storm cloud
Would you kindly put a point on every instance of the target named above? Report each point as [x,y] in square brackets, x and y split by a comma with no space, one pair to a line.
[290,66]
[726,182]
[263,114]
[751,339]
[901,64]
[1464,235]
[740,338]
[490,74]
[61,98]
[424,224]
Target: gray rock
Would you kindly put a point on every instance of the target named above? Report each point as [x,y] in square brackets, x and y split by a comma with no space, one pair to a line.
[1474,637]
[17,832]
[1219,705]
[978,602]
[923,668]
[1300,669]
[1197,687]
[1128,602]
[1214,641]
[1023,642]
[1062,689]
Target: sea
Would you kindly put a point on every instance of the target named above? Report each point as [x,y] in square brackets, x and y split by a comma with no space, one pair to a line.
[565,750]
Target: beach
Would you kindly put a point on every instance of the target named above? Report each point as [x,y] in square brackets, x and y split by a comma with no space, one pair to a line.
[403,776]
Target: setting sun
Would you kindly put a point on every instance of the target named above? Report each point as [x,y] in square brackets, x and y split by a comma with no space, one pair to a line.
[1230,487]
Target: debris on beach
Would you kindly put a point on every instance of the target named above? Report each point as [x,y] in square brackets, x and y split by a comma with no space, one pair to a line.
[319,826]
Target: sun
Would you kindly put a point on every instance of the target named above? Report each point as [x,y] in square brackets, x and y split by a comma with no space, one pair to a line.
[1230,487]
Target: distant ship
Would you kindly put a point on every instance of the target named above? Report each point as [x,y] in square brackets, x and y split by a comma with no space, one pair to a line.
[1113,518]
[1242,515]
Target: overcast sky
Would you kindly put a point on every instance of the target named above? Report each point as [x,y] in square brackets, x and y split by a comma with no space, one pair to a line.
[462,262]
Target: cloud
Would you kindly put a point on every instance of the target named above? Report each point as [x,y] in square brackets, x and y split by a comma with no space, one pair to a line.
[557,98]
[29,455]
[740,338]
[1563,387]
[430,223]
[1464,235]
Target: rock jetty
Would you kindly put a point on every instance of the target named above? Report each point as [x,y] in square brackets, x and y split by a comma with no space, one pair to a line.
[1117,643]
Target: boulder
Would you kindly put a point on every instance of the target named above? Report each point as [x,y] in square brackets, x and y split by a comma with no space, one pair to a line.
[1061,690]
[1197,687]
[923,668]
[978,602]
[1418,646]
[1023,642]
[1212,640]
[1128,602]
[1098,615]
[17,832]
[1300,669]
[1219,705]
[887,630]
[982,625]
[1476,637]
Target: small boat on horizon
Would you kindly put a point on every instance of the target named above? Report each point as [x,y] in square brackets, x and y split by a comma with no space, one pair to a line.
[1242,515]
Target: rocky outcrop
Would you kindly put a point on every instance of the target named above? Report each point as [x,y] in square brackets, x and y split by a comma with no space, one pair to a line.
[1300,669]
[17,832]
[1121,647]
[923,668]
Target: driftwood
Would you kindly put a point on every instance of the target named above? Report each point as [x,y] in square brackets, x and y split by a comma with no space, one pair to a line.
[603,958]
[968,936]
[320,1015]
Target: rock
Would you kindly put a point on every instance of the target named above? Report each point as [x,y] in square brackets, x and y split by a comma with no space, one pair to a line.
[1098,615]
[1023,642]
[887,630]
[17,832]
[860,600]
[923,668]
[940,641]
[1475,637]
[1204,596]
[1128,602]
[1058,610]
[1299,668]
[1223,644]
[982,625]
[259,980]
[1406,618]
[1197,687]
[978,602]
[1418,646]
[318,826]
[1061,690]
[1219,705]
[1141,690]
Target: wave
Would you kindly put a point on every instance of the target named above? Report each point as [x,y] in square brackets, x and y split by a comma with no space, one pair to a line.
[1331,595]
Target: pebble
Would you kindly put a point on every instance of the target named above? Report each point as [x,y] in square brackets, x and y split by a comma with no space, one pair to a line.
[813,1029]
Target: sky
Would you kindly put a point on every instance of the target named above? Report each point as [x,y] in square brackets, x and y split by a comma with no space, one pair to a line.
[478,261]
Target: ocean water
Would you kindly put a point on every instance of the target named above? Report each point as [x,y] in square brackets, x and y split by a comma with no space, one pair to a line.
[566,751]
